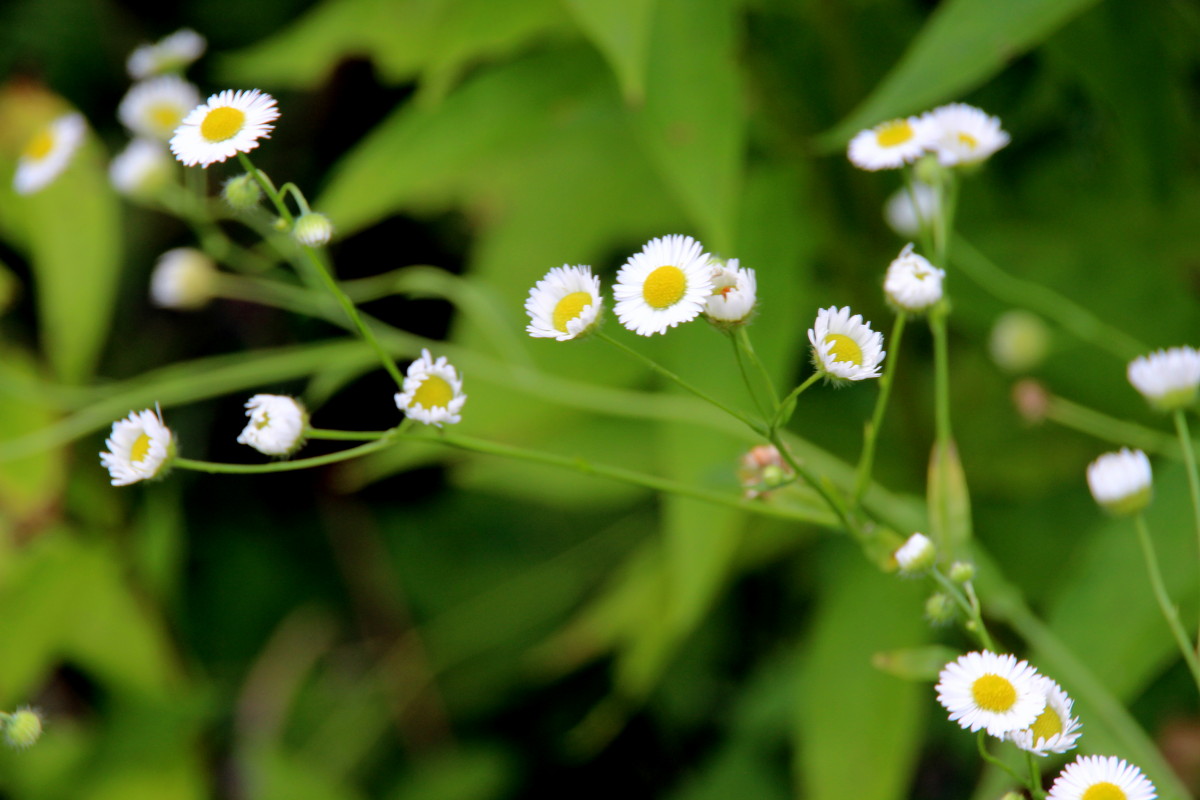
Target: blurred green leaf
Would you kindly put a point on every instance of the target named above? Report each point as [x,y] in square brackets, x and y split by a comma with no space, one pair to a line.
[962,45]
[472,773]
[621,30]
[948,501]
[28,486]
[915,663]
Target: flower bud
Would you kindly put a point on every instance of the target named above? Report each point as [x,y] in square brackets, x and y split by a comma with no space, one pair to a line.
[22,728]
[242,193]
[962,571]
[916,555]
[313,229]
[939,608]
[1019,341]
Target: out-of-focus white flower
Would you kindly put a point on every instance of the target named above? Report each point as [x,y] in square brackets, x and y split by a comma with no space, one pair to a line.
[907,211]
[1019,341]
[154,108]
[183,278]
[1120,482]
[142,169]
[912,283]
[916,555]
[1168,379]
[173,53]
[48,153]
[963,134]
[890,144]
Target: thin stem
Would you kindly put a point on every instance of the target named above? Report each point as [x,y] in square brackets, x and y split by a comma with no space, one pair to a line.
[666,373]
[743,340]
[788,406]
[835,504]
[741,362]
[1170,614]
[991,759]
[283,466]
[268,188]
[941,380]
[297,195]
[1035,775]
[1110,429]
[966,600]
[1189,459]
[867,461]
[346,436]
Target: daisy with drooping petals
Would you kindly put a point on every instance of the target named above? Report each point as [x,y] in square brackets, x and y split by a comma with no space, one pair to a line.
[229,123]
[962,134]
[432,392]
[889,145]
[139,448]
[1101,778]
[1168,379]
[277,424]
[845,347]
[154,108]
[995,692]
[1120,482]
[1055,730]
[665,284]
[734,294]
[167,55]
[564,305]
[48,153]
[141,169]
[912,283]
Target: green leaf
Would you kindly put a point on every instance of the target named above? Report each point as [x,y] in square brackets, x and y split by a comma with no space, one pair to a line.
[963,45]
[620,29]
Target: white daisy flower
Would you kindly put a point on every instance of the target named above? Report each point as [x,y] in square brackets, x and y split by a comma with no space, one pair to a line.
[229,123]
[889,145]
[1168,379]
[48,153]
[665,284]
[906,211]
[171,54]
[912,283]
[916,554]
[1120,482]
[734,293]
[845,347]
[154,108]
[432,392]
[313,229]
[184,279]
[962,134]
[1055,730]
[1101,778]
[139,448]
[277,424]
[995,692]
[564,305]
[141,169]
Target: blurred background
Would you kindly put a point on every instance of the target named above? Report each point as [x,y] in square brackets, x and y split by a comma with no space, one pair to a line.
[436,625]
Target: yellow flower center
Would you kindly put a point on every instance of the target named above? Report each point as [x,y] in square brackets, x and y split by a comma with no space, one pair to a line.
[1048,724]
[434,392]
[1104,791]
[664,287]
[894,133]
[141,448]
[844,349]
[164,116]
[993,693]
[40,146]
[569,308]
[264,422]
[968,140]
[222,123]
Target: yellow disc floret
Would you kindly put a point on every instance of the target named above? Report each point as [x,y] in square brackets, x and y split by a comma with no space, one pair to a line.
[993,693]
[894,133]
[1048,724]
[664,287]
[569,307]
[165,116]
[40,146]
[1104,791]
[222,123]
[141,447]
[844,348]
[434,392]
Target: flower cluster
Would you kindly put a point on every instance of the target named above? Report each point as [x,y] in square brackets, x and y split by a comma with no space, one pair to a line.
[957,134]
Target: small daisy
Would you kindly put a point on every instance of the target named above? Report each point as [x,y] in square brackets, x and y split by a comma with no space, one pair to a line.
[1167,378]
[912,283]
[995,692]
[734,293]
[139,448]
[277,424]
[845,347]
[963,134]
[154,108]
[1055,730]
[432,392]
[1101,778]
[564,305]
[229,123]
[889,144]
[48,153]
[141,169]
[916,555]
[313,229]
[906,211]
[168,55]
[1120,482]
[665,284]
[183,278]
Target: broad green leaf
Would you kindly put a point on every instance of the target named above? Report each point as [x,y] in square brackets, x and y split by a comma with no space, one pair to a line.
[962,45]
[27,485]
[621,30]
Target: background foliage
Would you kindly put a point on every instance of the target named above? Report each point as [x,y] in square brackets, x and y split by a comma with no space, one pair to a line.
[435,625]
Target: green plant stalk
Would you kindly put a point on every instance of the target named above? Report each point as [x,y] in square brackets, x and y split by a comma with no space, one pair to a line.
[1189,460]
[969,604]
[742,334]
[741,362]
[1164,601]
[866,461]
[834,503]
[981,741]
[784,412]
[666,373]
[345,436]
[1035,775]
[283,466]
[1109,429]
[941,378]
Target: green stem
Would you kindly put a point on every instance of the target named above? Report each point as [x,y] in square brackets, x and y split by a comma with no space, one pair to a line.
[743,341]
[1170,614]
[1189,459]
[666,373]
[969,603]
[941,379]
[283,466]
[1110,429]
[981,739]
[741,362]
[346,436]
[268,188]
[867,461]
[835,504]
[1035,775]
[784,412]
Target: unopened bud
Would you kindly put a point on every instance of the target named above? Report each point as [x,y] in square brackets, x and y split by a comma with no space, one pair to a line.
[242,193]
[939,609]
[962,571]
[313,229]
[1019,341]
[22,728]
[1031,400]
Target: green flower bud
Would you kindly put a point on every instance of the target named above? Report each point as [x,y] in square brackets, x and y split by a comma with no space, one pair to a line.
[242,193]
[22,728]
